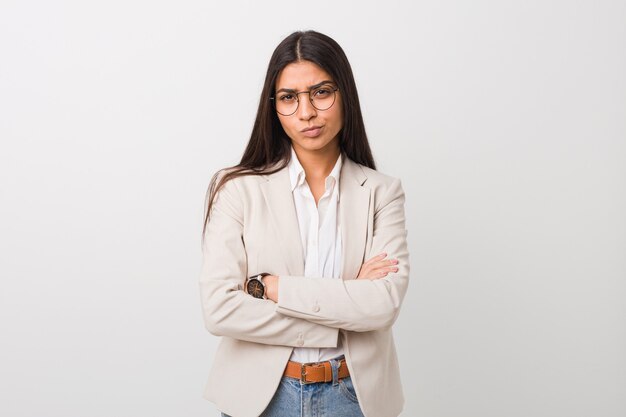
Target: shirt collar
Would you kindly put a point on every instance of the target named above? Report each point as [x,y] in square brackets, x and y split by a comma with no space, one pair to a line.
[296,171]
[298,177]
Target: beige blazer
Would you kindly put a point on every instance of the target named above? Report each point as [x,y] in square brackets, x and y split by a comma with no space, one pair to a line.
[253,228]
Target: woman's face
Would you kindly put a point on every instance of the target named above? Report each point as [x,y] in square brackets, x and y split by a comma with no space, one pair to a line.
[326,124]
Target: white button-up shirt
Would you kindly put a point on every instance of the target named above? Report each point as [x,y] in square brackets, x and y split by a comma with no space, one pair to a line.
[321,239]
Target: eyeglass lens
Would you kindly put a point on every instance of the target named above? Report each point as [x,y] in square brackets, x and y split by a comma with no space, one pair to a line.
[322,98]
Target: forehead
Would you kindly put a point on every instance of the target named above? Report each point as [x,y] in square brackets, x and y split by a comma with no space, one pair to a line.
[300,75]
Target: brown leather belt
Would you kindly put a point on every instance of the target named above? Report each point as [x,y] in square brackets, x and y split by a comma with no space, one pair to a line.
[309,373]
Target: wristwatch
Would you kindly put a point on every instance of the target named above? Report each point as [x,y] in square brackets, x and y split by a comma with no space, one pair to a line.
[255,286]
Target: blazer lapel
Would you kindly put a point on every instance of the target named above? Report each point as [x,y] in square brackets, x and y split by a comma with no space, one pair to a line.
[354,203]
[353,213]
[279,200]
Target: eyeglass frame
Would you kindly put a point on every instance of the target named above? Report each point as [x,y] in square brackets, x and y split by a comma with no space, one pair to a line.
[296,93]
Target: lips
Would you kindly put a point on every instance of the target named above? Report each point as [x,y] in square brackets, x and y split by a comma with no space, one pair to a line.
[312,131]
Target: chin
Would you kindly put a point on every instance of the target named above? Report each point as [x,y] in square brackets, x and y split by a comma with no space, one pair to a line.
[315,144]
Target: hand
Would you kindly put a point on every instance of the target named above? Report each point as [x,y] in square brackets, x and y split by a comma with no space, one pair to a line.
[377,267]
[271,287]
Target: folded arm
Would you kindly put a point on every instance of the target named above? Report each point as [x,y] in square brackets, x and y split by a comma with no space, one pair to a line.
[227,309]
[357,305]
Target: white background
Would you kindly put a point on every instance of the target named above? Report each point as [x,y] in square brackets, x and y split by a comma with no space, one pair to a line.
[506,122]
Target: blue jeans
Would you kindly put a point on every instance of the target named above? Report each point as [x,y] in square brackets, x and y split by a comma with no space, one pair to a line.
[326,399]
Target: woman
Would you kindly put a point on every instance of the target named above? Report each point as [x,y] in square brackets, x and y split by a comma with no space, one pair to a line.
[305,322]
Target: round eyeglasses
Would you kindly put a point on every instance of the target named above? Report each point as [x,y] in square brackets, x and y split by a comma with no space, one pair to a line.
[322,98]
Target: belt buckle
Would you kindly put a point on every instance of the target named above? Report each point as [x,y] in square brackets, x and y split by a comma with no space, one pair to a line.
[303,375]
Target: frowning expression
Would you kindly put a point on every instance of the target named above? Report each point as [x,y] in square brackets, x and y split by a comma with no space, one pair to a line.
[309,128]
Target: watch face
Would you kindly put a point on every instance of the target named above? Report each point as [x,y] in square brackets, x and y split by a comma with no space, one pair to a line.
[255,288]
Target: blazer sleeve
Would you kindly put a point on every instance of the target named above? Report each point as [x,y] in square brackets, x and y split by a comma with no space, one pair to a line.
[357,305]
[227,309]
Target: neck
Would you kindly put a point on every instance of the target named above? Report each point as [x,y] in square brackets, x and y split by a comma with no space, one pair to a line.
[317,164]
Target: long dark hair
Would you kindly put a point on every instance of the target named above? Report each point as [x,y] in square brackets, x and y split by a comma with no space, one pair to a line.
[269,146]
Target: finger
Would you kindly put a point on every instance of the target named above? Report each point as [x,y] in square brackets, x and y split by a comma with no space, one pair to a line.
[374,275]
[377,258]
[385,269]
[383,263]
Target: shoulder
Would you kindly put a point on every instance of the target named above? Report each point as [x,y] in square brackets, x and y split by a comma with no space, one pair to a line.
[377,178]
[384,187]
[240,180]
[387,198]
[239,187]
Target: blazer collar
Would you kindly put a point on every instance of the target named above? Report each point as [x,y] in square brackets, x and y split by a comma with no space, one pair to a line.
[354,209]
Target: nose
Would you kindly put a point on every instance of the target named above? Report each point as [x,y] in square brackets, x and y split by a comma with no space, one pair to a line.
[305,108]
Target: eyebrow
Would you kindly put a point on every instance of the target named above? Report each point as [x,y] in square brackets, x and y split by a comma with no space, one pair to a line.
[311,87]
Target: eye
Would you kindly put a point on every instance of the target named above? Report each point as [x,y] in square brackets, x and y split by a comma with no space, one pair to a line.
[286,98]
[322,92]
